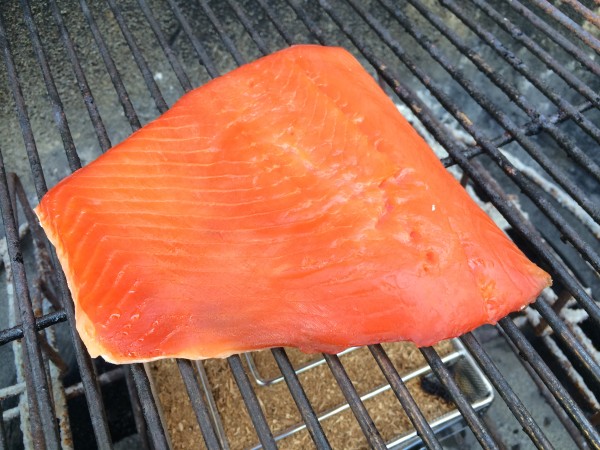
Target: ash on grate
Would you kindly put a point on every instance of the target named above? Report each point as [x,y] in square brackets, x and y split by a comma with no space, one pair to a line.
[342,429]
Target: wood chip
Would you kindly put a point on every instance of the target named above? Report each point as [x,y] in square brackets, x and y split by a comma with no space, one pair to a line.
[281,412]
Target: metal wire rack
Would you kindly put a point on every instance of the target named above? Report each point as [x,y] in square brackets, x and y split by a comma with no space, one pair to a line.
[517,79]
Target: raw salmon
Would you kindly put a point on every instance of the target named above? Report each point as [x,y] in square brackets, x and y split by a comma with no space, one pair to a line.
[287,203]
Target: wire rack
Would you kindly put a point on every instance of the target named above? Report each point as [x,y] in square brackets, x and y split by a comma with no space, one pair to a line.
[507,90]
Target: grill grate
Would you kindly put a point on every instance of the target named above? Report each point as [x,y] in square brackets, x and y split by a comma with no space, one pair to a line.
[473,47]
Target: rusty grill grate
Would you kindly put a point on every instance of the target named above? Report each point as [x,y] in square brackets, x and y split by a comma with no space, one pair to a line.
[509,90]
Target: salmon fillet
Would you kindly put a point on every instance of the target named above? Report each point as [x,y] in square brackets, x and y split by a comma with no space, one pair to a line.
[287,203]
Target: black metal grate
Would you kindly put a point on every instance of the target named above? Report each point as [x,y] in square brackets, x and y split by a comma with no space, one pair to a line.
[510,76]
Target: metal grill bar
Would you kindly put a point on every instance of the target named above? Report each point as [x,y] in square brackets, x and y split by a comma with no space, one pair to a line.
[16,332]
[358,408]
[103,379]
[512,401]
[22,114]
[198,404]
[517,34]
[239,12]
[565,142]
[589,39]
[530,129]
[549,397]
[440,370]
[86,367]
[57,108]
[584,11]
[559,327]
[556,37]
[310,24]
[561,330]
[47,280]
[256,414]
[111,68]
[162,40]
[136,406]
[210,400]
[43,425]
[86,93]
[308,414]
[205,60]
[237,56]
[36,430]
[277,23]
[557,389]
[139,58]
[403,394]
[3,445]
[148,402]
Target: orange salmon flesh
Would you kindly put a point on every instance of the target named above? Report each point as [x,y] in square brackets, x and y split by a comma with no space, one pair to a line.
[287,203]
